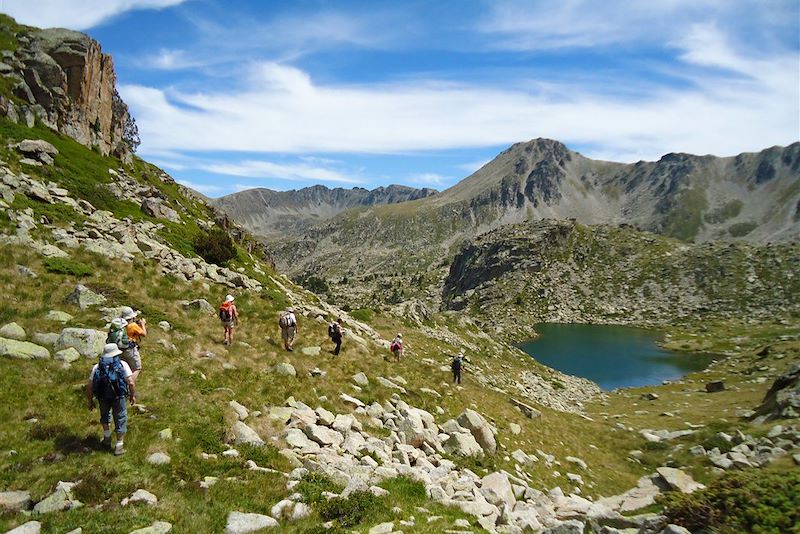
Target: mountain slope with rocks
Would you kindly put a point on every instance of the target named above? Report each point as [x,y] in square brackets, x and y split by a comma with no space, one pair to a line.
[241,437]
[278,214]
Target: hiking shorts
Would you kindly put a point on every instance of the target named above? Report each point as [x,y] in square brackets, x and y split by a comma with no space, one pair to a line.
[227,324]
[288,332]
[119,409]
[132,358]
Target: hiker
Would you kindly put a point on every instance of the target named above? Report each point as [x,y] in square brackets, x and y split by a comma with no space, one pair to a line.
[335,333]
[397,347]
[288,324]
[111,381]
[456,366]
[135,329]
[229,317]
[117,333]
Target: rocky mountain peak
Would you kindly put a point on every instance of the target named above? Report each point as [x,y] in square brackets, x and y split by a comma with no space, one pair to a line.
[63,78]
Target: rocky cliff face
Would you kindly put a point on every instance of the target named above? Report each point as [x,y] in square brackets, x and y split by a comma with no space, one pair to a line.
[63,79]
[276,214]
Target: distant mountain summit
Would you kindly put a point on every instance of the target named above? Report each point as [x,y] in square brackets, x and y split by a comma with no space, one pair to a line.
[274,213]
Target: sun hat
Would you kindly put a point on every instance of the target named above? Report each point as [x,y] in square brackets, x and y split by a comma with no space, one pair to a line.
[229,298]
[290,309]
[118,322]
[399,334]
[128,313]
[111,350]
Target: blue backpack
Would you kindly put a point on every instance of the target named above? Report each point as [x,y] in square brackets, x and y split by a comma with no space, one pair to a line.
[108,382]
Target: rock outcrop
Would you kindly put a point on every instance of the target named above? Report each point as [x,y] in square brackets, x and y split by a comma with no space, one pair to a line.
[64,79]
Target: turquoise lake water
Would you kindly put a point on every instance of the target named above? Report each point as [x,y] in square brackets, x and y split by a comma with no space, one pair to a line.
[612,356]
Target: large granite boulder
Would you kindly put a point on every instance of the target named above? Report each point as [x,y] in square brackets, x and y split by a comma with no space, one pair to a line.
[22,350]
[88,342]
[480,429]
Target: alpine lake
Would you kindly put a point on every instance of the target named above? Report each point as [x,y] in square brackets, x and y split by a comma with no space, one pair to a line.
[611,356]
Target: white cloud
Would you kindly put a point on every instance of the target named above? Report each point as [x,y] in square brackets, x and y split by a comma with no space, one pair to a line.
[429,179]
[76,14]
[206,189]
[282,110]
[280,171]
[472,166]
[168,59]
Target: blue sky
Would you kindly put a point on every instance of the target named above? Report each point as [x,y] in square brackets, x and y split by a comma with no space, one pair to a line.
[237,94]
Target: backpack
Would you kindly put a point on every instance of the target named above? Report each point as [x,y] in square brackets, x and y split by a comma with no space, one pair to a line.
[225,314]
[286,321]
[333,331]
[456,365]
[108,381]
[119,338]
[394,346]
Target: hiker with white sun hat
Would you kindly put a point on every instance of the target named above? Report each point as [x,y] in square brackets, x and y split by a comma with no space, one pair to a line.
[136,329]
[229,316]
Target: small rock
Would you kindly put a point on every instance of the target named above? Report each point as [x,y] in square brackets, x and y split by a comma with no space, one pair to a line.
[284,369]
[159,458]
[361,379]
[14,501]
[159,527]
[311,351]
[165,434]
[83,297]
[242,413]
[58,316]
[383,528]
[515,428]
[245,434]
[68,355]
[165,326]
[25,271]
[230,453]
[242,523]
[31,527]
[13,331]
[142,496]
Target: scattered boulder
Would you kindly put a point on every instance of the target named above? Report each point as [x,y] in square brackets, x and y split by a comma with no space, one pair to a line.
[783,397]
[242,523]
[155,207]
[284,369]
[14,501]
[26,271]
[679,480]
[199,304]
[361,379]
[68,355]
[311,351]
[159,458]
[22,350]
[142,496]
[31,527]
[83,297]
[462,444]
[88,342]
[13,331]
[497,489]
[244,434]
[241,412]
[38,149]
[165,326]
[58,316]
[60,499]
[716,386]
[159,527]
[480,429]
[529,411]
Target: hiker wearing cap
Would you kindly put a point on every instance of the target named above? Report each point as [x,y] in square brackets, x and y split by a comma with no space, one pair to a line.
[111,383]
[135,329]
[397,347]
[335,333]
[288,324]
[457,366]
[229,317]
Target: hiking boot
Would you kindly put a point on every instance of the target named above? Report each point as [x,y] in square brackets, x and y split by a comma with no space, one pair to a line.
[290,349]
[106,443]
[119,451]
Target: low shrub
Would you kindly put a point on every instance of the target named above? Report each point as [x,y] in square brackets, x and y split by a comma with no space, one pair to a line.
[313,485]
[363,314]
[360,505]
[755,501]
[215,246]
[67,266]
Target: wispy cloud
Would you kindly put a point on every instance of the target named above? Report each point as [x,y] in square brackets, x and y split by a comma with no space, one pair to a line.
[472,166]
[76,14]
[206,189]
[279,171]
[169,59]
[283,110]
[430,179]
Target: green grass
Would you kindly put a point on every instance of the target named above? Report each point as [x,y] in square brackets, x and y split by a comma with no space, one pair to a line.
[685,218]
[727,211]
[742,229]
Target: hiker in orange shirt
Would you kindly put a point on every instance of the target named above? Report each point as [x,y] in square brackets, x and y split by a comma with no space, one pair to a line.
[136,330]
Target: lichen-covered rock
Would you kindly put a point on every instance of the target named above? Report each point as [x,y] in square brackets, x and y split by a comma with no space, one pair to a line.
[13,331]
[22,350]
[242,523]
[88,342]
[244,434]
[480,429]
[83,297]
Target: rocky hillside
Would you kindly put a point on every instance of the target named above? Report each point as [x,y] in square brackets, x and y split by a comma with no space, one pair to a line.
[277,214]
[64,80]
[551,271]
